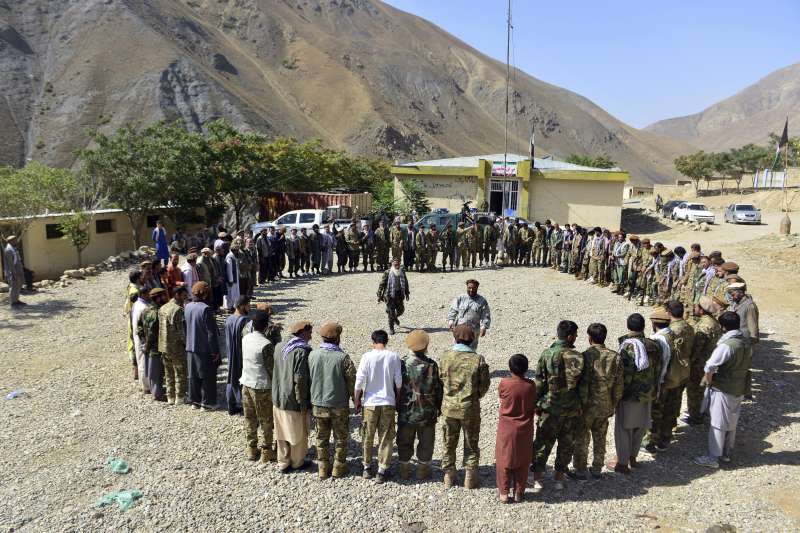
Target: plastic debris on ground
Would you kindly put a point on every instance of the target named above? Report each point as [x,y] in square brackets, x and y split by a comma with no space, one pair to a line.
[14,394]
[118,466]
[124,499]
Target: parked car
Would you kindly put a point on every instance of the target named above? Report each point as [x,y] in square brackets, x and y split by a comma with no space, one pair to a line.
[441,219]
[666,209]
[743,214]
[693,212]
[306,218]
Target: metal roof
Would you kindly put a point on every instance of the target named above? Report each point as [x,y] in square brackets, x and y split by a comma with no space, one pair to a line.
[472,161]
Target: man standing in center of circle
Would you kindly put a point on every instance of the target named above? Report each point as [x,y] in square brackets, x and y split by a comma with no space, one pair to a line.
[392,290]
[470,309]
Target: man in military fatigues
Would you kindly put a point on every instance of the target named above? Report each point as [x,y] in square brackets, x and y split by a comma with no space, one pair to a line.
[315,249]
[418,406]
[465,377]
[490,235]
[604,383]
[473,245]
[476,252]
[447,243]
[382,246]
[333,378]
[421,243]
[462,246]
[558,378]
[432,245]
[396,240]
[172,345]
[353,238]
[538,241]
[619,258]
[368,246]
[526,244]
[393,289]
[304,249]
[147,329]
[707,332]
[556,241]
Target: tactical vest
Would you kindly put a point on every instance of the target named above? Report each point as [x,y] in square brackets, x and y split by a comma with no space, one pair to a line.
[731,376]
[678,370]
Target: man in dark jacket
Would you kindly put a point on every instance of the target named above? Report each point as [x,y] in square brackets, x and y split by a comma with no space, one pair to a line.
[202,349]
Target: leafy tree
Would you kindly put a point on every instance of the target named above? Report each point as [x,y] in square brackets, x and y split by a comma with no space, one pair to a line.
[75,228]
[415,197]
[32,190]
[696,166]
[383,199]
[600,161]
[150,170]
[794,150]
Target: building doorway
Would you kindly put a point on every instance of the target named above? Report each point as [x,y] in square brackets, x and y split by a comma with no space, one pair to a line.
[504,197]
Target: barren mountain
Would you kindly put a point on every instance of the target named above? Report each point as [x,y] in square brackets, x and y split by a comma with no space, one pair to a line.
[358,74]
[746,117]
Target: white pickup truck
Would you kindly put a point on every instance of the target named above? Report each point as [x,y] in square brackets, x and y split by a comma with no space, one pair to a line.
[306,218]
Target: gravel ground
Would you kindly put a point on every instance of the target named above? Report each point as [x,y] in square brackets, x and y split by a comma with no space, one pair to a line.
[80,406]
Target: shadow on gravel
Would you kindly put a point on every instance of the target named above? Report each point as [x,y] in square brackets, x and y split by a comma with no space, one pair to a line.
[48,309]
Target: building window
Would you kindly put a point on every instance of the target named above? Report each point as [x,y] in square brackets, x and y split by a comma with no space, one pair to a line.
[53,231]
[105,225]
[151,220]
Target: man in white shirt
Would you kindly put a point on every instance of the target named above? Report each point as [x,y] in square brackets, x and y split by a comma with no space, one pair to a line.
[190,272]
[378,382]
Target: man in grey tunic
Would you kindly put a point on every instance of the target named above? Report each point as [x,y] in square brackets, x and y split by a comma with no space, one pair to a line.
[470,309]
[202,349]
[727,374]
[13,271]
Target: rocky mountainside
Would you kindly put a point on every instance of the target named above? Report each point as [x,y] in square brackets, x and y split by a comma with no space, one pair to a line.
[746,117]
[358,74]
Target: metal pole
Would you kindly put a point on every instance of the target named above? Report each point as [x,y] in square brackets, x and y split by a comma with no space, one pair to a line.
[508,81]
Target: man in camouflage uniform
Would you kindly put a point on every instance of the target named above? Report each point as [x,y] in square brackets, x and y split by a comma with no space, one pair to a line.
[447,243]
[304,249]
[396,240]
[510,240]
[473,245]
[676,337]
[477,250]
[382,246]
[490,235]
[465,377]
[432,245]
[526,244]
[421,242]
[172,345]
[393,289]
[641,368]
[368,246]
[333,378]
[619,258]
[462,246]
[604,382]
[707,332]
[418,406]
[147,329]
[353,238]
[538,241]
[245,267]
[558,380]
[315,249]
[556,242]
[258,358]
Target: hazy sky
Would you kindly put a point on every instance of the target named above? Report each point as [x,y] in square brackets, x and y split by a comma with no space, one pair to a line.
[642,61]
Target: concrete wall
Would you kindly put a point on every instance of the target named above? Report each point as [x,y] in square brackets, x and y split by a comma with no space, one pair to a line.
[588,203]
[444,191]
[49,258]
[632,191]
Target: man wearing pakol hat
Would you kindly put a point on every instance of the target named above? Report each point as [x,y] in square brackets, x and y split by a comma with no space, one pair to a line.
[258,353]
[147,329]
[333,378]
[657,438]
[683,336]
[718,284]
[291,390]
[727,374]
[232,274]
[393,289]
[13,271]
[470,309]
[465,380]
[202,349]
[641,366]
[743,305]
[172,345]
[418,406]
[706,334]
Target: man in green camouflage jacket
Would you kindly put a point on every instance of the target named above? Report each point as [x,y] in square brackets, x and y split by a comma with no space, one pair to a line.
[172,345]
[604,382]
[418,406]
[558,380]
[707,332]
[147,329]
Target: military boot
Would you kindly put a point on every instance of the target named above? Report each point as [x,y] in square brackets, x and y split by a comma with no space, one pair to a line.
[340,470]
[471,480]
[404,470]
[268,455]
[449,478]
[251,454]
[423,471]
[324,469]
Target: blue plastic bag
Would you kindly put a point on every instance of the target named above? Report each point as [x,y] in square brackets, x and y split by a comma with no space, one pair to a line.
[124,499]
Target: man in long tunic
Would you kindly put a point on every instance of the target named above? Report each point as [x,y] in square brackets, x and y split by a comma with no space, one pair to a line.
[234,325]
[140,362]
[470,309]
[13,271]
[202,349]
[160,242]
[393,289]
[231,279]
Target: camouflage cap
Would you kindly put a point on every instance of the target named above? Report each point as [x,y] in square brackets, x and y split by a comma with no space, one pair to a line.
[660,315]
[330,330]
[156,291]
[418,340]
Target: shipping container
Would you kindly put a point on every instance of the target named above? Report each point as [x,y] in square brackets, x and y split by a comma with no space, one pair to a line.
[275,204]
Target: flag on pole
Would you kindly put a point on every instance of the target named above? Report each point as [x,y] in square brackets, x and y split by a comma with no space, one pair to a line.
[784,140]
[532,143]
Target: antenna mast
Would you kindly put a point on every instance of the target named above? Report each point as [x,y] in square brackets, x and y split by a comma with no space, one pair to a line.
[508,83]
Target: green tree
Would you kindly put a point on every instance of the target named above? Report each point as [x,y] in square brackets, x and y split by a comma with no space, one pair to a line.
[415,197]
[600,161]
[383,199]
[794,150]
[696,166]
[32,190]
[75,228]
[147,170]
